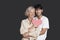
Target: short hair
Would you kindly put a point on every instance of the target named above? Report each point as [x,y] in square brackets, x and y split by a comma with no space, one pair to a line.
[28,9]
[38,6]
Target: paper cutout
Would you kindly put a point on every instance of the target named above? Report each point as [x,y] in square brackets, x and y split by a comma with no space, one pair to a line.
[37,22]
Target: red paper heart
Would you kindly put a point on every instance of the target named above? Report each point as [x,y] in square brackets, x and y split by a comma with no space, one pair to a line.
[36,22]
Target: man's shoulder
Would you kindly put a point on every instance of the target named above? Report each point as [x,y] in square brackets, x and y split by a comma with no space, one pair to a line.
[45,17]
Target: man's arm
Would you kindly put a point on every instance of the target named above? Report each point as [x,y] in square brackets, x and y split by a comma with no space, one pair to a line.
[43,31]
[45,26]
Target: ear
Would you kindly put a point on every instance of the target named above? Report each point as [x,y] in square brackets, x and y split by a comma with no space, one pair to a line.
[42,10]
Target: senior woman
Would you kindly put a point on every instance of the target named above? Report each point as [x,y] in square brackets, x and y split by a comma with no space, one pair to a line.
[27,23]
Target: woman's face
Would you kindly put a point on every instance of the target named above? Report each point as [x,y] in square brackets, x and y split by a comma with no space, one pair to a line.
[31,13]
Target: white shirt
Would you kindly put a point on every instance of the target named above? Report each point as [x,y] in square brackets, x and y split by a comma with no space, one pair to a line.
[44,24]
[25,25]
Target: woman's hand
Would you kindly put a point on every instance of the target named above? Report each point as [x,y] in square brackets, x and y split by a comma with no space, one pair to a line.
[32,28]
[26,35]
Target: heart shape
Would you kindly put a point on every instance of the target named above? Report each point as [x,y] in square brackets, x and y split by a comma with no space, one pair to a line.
[37,22]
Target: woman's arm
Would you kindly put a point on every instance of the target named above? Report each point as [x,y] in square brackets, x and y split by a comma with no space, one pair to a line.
[23,30]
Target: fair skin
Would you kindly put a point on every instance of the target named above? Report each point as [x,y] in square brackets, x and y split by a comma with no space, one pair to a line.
[30,17]
[39,15]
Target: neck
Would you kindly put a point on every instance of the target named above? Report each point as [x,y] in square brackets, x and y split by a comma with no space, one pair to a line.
[30,19]
[39,16]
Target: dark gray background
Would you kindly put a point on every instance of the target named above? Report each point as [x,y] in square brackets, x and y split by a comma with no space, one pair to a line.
[12,12]
[51,10]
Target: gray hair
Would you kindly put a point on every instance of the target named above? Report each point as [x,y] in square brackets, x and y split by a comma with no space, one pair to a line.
[28,9]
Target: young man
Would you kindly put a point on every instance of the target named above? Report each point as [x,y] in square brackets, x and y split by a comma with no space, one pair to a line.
[44,26]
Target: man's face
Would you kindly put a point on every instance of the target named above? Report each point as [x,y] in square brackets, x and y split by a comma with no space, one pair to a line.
[39,12]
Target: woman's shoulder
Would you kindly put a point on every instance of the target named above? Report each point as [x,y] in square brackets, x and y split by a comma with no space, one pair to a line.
[24,20]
